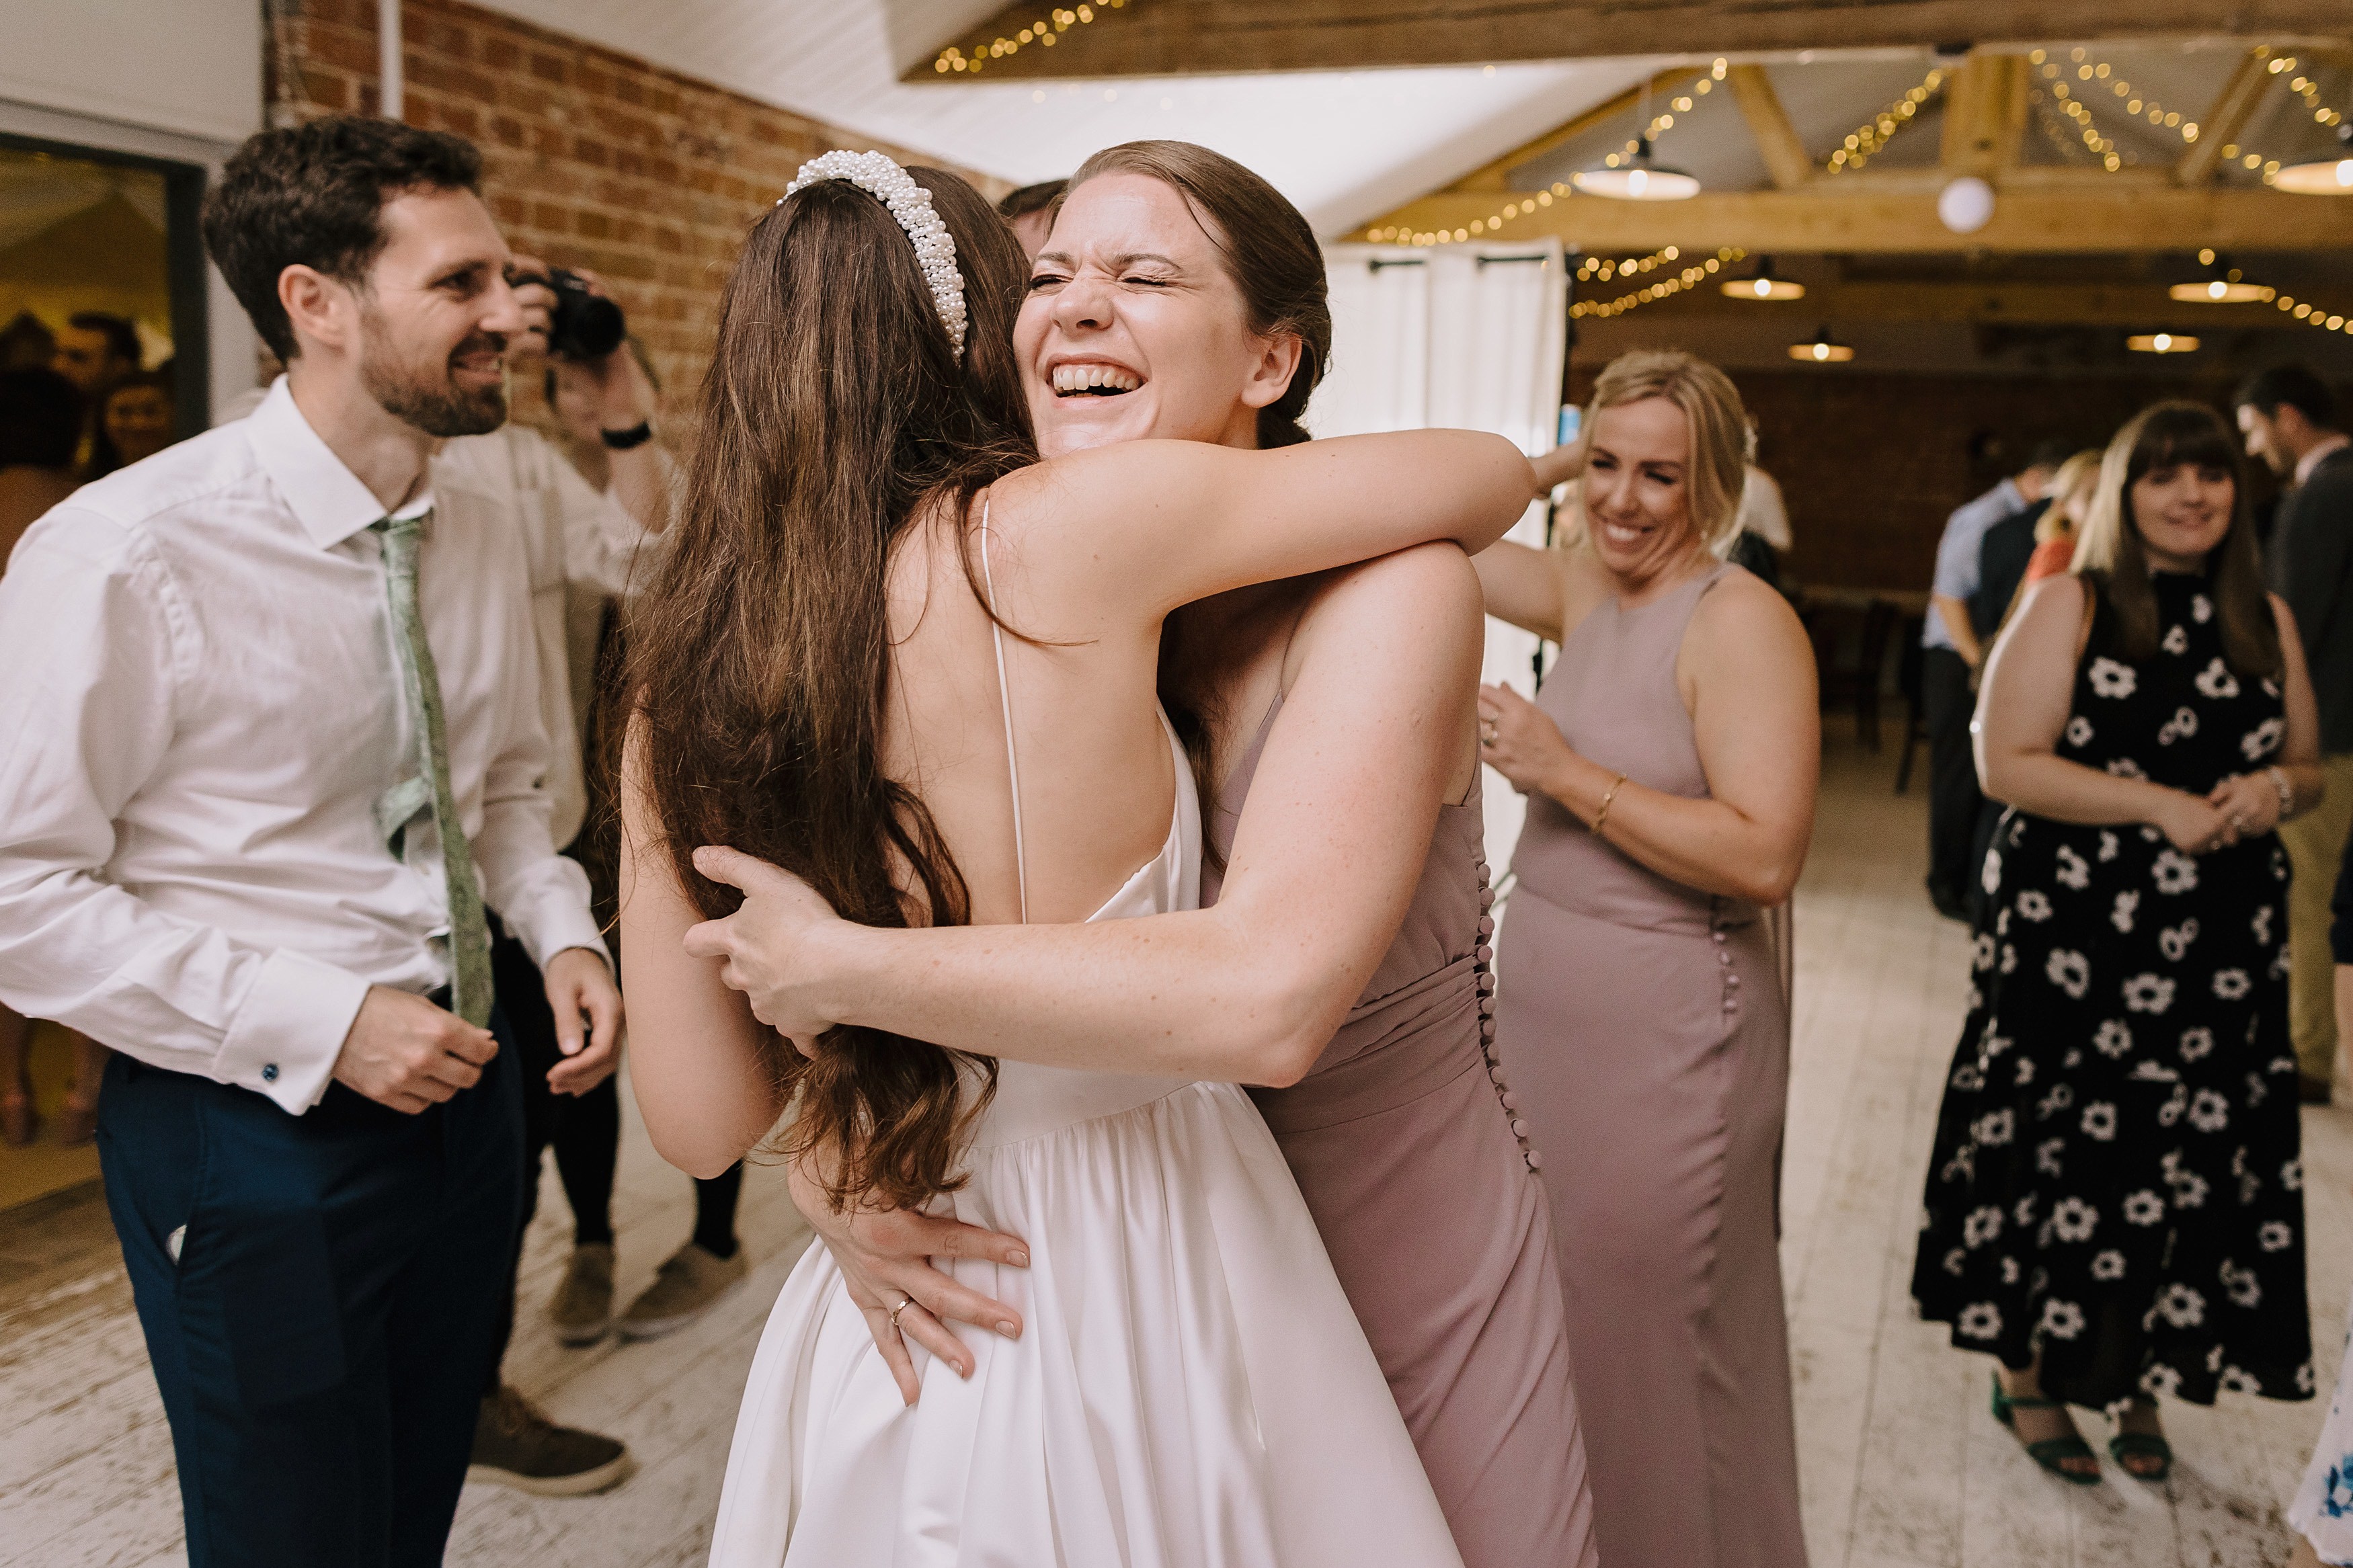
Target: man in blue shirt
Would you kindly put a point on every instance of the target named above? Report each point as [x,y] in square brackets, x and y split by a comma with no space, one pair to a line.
[1948,678]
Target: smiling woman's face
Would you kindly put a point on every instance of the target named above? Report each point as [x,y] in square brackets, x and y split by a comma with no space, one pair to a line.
[1637,487]
[1134,328]
[2183,511]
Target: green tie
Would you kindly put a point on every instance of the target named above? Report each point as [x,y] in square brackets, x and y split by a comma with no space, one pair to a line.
[469,934]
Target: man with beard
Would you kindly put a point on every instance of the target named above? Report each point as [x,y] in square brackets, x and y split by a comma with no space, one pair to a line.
[274,756]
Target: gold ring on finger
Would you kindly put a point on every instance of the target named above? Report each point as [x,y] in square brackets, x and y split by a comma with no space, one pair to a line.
[904,1303]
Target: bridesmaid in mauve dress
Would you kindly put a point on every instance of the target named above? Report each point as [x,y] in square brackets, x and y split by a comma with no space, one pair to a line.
[1641,1019]
[1402,1129]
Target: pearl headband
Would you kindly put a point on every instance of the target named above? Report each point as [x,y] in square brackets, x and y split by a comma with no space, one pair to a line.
[912,205]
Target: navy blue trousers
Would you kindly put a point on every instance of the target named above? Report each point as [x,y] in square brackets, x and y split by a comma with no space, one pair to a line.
[323,1340]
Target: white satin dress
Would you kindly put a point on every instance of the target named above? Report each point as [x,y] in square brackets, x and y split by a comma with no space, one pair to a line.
[1190,1390]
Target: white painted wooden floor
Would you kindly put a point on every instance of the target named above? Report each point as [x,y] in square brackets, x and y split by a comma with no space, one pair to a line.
[1902,1466]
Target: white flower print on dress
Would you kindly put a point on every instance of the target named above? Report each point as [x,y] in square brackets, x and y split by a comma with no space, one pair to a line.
[1995,1127]
[1991,877]
[2062,1319]
[2108,1265]
[2217,681]
[2115,1037]
[2100,1120]
[2068,970]
[2303,1378]
[2181,1306]
[2109,848]
[2009,958]
[2110,679]
[2275,1235]
[2079,731]
[2196,1043]
[1979,1320]
[2181,727]
[2263,740]
[2171,1111]
[2176,640]
[2174,872]
[2025,1073]
[2230,984]
[2024,1210]
[1982,1225]
[2244,1288]
[2073,870]
[1957,1262]
[2126,768]
[2201,609]
[1981,950]
[2190,1190]
[2261,925]
[2235,1381]
[2046,1156]
[2175,942]
[2292,1175]
[2033,904]
[2209,1112]
[2073,1219]
[1966,1079]
[2060,1097]
[2121,917]
[2148,994]
[2143,1207]
[1991,1044]
[2160,1379]
[2009,1270]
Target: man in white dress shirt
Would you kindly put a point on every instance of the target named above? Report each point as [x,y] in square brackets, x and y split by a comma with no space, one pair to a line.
[273,745]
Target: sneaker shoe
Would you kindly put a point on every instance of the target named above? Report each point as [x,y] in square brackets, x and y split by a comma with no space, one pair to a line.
[515,1446]
[582,1309]
[683,1290]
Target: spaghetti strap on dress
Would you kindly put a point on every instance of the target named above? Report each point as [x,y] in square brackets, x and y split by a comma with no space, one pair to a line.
[1191,1389]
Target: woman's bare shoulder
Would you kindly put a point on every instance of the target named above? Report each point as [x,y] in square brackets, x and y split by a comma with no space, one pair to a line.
[1742,618]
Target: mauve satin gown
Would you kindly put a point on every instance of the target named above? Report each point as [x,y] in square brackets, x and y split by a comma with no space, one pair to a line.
[1404,1145]
[1642,1025]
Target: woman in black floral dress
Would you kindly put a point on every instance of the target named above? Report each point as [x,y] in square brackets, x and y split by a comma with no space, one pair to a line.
[2113,1204]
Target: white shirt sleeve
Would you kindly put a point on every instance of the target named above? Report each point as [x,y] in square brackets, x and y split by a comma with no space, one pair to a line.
[540,895]
[604,548]
[95,635]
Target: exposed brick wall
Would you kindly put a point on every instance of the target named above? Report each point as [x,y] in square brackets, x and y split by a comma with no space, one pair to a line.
[590,158]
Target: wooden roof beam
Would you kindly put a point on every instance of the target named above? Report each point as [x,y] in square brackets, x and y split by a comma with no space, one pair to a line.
[1785,159]
[1196,37]
[2232,108]
[1497,175]
[1862,214]
[1985,115]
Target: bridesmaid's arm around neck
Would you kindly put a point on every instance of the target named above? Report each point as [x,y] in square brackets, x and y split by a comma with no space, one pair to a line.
[1374,735]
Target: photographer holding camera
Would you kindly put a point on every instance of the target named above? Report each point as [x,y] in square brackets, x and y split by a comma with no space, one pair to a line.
[586,545]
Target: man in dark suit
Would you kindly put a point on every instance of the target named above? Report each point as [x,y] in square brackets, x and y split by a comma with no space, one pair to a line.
[2290,420]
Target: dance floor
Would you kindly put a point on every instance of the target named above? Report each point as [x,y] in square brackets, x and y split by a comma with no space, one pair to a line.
[1903,1468]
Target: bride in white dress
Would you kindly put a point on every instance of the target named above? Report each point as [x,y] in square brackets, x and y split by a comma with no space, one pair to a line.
[822,664]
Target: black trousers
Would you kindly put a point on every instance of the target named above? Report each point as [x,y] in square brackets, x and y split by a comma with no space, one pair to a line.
[1954,801]
[585,1131]
[322,1339]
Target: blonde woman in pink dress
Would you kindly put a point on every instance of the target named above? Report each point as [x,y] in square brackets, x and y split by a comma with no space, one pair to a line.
[1669,762]
[1345,958]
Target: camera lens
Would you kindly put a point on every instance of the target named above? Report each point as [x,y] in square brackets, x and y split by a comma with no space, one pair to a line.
[583,325]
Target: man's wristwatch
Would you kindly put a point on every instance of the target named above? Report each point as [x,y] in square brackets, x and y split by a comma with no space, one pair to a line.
[636,436]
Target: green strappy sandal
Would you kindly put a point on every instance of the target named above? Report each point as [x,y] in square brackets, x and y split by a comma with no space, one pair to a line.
[2142,1445]
[2051,1452]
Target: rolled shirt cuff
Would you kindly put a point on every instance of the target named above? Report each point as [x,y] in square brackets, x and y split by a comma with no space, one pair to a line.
[284,1040]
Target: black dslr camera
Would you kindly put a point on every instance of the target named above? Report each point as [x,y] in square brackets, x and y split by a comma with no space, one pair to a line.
[583,325]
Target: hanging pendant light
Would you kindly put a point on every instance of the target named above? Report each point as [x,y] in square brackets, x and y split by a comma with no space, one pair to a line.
[1764,286]
[2223,285]
[1822,350]
[2322,176]
[2161,343]
[1641,179]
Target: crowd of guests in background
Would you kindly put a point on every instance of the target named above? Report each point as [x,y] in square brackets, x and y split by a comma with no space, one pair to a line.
[2140,707]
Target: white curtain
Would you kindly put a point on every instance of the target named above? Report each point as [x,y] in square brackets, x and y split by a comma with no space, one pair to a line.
[1466,336]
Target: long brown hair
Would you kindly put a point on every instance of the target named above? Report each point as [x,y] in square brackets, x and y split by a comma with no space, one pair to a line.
[2110,556]
[835,414]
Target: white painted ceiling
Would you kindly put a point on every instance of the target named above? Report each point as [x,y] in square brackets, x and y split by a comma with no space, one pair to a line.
[1344,145]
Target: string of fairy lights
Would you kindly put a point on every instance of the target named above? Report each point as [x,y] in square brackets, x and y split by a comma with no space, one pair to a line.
[1043,33]
[1666,287]
[1880,129]
[1521,206]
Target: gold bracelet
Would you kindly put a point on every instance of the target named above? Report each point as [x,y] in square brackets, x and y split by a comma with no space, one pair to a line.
[1603,814]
